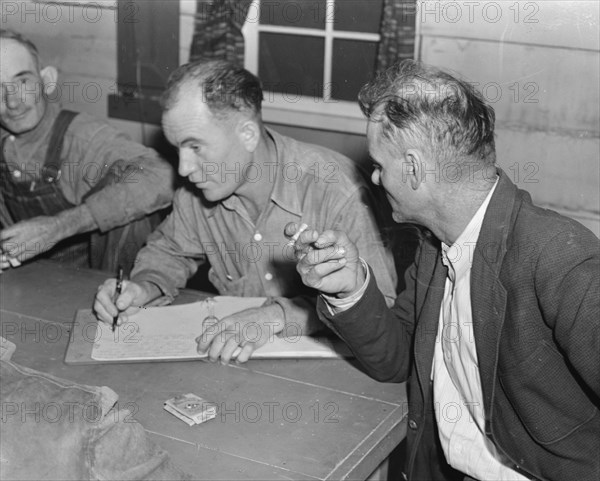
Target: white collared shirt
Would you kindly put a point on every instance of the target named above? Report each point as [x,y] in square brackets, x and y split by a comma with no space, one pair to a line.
[457,388]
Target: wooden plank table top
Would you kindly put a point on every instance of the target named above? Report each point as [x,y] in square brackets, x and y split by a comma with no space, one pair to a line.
[277,419]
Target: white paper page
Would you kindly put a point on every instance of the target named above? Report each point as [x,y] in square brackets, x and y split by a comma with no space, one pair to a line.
[169,332]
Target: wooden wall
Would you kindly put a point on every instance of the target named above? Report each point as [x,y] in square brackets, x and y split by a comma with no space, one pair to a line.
[537,63]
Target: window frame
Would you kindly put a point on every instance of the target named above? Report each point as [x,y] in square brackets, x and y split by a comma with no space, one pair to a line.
[304,111]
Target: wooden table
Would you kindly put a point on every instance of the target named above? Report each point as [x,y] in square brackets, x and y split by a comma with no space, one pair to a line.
[278,419]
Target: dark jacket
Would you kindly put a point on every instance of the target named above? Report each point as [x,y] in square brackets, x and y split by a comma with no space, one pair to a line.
[535,297]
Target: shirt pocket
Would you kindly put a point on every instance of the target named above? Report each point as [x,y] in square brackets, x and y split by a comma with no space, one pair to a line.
[546,396]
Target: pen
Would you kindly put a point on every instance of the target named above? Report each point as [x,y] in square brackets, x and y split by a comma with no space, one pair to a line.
[117,294]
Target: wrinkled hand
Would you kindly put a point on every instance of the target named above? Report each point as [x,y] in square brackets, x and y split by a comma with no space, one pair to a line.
[133,297]
[29,238]
[328,262]
[248,330]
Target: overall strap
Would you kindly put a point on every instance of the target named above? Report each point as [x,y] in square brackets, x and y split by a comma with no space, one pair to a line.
[5,217]
[12,208]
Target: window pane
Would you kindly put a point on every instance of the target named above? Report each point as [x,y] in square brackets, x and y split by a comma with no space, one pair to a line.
[353,66]
[291,64]
[293,13]
[358,15]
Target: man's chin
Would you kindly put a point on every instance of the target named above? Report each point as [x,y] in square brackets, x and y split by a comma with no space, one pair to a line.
[398,218]
[19,126]
[209,194]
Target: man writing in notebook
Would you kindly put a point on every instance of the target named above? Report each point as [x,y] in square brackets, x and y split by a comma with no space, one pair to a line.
[245,183]
[497,331]
[73,188]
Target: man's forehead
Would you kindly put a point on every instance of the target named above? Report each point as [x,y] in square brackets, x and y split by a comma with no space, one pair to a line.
[15,58]
[188,112]
[374,134]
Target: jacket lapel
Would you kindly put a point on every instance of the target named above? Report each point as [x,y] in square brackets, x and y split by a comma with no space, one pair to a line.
[429,294]
[488,295]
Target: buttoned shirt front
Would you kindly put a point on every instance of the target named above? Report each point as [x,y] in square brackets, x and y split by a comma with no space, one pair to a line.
[311,185]
[457,389]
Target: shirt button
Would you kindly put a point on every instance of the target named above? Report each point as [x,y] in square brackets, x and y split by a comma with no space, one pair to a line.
[257,237]
[268,276]
[17,174]
[412,424]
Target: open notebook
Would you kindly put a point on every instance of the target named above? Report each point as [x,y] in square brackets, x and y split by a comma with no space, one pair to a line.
[169,332]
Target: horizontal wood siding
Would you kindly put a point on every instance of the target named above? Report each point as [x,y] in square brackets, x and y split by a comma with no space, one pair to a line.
[538,65]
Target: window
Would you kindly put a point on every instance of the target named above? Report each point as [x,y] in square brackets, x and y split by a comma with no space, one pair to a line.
[148,51]
[312,57]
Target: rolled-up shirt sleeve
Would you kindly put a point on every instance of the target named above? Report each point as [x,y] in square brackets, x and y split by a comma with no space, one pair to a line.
[118,179]
[173,251]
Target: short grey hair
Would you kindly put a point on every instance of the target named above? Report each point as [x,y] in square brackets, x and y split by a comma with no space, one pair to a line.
[425,106]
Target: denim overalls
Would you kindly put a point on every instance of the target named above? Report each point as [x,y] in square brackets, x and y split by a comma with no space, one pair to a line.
[24,197]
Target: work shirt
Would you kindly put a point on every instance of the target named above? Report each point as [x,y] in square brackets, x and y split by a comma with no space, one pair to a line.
[457,389]
[311,185]
[140,181]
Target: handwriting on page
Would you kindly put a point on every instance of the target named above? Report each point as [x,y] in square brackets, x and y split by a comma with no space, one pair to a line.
[147,347]
[167,332]
[170,332]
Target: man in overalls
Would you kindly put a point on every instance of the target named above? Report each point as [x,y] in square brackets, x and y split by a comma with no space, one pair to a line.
[73,188]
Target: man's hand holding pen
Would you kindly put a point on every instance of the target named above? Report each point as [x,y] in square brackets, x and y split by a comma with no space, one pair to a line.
[108,305]
[327,261]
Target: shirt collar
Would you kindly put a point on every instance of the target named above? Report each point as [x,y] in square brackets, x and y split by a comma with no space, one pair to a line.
[284,194]
[459,256]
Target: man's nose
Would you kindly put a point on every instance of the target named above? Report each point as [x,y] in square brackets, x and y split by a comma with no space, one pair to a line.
[186,164]
[10,96]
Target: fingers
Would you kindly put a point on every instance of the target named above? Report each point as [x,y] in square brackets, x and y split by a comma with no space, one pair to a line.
[9,251]
[231,338]
[245,353]
[211,327]
[106,307]
[326,254]
[313,276]
[231,350]
[7,261]
[330,262]
[290,229]
[301,236]
[219,340]
[16,251]
[29,238]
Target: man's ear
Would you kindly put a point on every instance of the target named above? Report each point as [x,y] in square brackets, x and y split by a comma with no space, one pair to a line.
[414,167]
[49,76]
[249,133]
